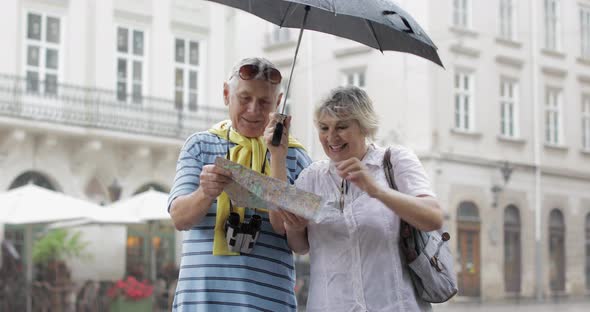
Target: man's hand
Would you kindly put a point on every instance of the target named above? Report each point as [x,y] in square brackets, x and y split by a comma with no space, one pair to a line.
[213,180]
[281,150]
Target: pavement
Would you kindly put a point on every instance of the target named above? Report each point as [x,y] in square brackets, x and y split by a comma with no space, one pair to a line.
[578,305]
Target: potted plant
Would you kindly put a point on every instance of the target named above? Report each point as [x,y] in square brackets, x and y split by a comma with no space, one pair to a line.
[50,254]
[131,295]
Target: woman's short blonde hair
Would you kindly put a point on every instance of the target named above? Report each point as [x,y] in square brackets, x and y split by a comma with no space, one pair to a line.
[350,103]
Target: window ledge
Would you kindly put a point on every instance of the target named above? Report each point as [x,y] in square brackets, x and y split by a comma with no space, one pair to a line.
[553,53]
[274,46]
[584,60]
[360,49]
[557,147]
[508,42]
[509,139]
[461,31]
[467,133]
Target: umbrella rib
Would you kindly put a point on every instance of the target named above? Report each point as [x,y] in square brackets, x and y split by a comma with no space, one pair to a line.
[286,13]
[370,23]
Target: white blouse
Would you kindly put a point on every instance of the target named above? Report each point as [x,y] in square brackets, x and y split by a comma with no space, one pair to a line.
[355,264]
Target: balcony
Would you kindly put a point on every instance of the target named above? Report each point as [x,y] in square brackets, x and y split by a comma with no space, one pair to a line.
[71,105]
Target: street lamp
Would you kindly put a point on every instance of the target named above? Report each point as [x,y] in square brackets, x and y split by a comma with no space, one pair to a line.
[115,190]
[506,170]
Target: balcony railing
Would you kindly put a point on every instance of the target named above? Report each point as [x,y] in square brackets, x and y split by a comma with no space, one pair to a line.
[96,108]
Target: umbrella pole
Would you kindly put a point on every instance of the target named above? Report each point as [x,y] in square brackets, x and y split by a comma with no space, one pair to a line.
[29,269]
[307,8]
[278,132]
[152,252]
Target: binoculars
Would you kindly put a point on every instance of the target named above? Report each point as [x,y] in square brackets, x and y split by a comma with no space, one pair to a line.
[241,237]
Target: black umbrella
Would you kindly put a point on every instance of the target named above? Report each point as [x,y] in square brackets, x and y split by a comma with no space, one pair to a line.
[380,24]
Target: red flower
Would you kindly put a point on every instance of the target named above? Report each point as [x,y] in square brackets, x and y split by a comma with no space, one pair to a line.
[131,288]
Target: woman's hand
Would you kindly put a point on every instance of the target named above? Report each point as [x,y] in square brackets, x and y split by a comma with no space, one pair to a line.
[292,222]
[355,171]
[277,152]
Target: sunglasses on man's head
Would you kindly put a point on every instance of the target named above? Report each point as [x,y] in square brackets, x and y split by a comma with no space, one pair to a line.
[249,72]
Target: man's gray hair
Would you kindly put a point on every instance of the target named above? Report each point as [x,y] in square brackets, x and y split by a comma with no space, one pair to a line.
[350,103]
[262,64]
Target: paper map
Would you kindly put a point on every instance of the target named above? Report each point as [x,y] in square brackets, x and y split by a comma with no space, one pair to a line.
[252,189]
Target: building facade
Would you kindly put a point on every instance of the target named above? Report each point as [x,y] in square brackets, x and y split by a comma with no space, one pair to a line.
[93,92]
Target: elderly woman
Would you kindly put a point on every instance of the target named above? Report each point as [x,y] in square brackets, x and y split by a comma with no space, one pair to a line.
[354,257]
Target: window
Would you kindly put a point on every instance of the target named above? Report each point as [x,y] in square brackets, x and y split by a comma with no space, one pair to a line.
[509,108]
[585,32]
[354,78]
[130,64]
[507,20]
[553,116]
[512,248]
[187,74]
[42,48]
[552,25]
[464,101]
[586,122]
[556,251]
[461,16]
[278,35]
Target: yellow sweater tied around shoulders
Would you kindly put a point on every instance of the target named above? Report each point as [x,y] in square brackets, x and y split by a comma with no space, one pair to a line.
[246,151]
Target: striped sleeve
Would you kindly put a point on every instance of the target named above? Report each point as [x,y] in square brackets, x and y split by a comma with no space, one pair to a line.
[297,160]
[188,170]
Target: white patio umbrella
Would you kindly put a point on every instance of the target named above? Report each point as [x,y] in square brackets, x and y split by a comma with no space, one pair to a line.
[30,204]
[149,206]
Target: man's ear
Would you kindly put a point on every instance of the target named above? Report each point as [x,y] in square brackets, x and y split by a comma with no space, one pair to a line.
[226,93]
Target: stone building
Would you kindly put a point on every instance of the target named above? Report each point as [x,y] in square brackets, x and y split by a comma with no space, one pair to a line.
[93,92]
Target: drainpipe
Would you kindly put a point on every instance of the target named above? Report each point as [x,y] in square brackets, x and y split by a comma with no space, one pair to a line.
[537,153]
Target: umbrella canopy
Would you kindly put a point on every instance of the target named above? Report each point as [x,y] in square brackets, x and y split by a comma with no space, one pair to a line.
[31,204]
[147,206]
[380,24]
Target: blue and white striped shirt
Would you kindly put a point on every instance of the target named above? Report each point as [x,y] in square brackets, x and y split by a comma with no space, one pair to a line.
[263,280]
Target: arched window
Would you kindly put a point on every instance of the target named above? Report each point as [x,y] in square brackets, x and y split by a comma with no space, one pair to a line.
[468,212]
[556,251]
[468,229]
[32,177]
[512,249]
[152,186]
[588,251]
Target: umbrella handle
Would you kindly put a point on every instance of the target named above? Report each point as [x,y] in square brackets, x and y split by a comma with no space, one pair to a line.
[277,134]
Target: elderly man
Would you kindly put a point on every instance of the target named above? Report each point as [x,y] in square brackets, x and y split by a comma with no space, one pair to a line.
[213,275]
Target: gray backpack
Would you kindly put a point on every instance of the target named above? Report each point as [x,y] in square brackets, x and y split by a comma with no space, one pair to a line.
[427,254]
